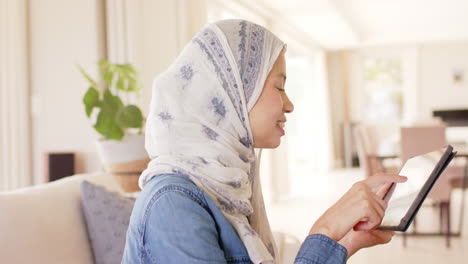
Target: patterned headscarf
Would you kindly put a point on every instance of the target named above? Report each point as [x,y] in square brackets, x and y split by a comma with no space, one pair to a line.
[198,124]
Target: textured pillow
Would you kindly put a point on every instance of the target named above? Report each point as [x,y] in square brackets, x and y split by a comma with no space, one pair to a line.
[107,216]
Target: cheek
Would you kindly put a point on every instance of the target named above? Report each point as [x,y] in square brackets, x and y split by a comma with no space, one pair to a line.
[267,113]
[264,116]
[271,102]
[262,128]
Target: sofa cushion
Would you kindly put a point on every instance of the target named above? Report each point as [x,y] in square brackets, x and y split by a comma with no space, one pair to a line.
[45,224]
[107,217]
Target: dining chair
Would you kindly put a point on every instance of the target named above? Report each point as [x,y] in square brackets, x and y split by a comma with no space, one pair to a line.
[368,138]
[417,140]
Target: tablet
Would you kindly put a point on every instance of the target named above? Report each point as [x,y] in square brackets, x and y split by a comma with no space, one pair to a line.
[405,199]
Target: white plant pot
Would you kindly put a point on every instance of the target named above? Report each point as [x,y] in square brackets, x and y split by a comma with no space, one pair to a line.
[131,148]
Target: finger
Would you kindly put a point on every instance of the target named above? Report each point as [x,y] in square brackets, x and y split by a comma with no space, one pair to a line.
[377,204]
[376,181]
[381,206]
[384,189]
[372,208]
[384,205]
[361,226]
[373,214]
[384,236]
[365,226]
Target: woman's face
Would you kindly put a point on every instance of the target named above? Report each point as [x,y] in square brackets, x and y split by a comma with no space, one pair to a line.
[267,117]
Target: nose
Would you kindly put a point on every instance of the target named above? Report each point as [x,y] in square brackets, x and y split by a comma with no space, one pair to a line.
[288,106]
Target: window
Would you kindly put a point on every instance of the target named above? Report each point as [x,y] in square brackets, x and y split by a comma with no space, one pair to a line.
[308,138]
[383,89]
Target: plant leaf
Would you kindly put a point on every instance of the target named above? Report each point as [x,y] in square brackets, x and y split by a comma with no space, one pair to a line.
[127,78]
[108,78]
[106,122]
[111,103]
[91,100]
[134,85]
[107,126]
[114,117]
[105,68]
[103,65]
[120,83]
[90,80]
[129,68]
[130,117]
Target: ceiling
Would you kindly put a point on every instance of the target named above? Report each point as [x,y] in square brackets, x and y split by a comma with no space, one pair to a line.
[338,24]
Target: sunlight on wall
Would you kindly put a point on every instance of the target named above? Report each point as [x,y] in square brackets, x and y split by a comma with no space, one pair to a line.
[308,129]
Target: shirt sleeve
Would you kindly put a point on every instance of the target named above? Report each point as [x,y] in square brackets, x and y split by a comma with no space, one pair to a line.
[320,249]
[179,230]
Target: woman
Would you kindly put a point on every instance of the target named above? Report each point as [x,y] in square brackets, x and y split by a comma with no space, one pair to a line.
[201,200]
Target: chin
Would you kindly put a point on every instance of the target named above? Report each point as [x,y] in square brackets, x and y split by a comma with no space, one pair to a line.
[270,145]
[274,146]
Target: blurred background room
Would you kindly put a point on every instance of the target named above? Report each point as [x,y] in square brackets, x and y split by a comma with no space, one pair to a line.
[373,83]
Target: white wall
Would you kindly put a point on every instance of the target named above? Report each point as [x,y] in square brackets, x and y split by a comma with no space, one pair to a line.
[437,87]
[63,34]
[161,29]
[66,33]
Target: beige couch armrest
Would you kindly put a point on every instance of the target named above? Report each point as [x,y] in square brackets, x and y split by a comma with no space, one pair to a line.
[44,223]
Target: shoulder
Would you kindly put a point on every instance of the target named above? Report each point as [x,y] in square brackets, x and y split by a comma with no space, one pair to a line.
[166,191]
[177,224]
[173,202]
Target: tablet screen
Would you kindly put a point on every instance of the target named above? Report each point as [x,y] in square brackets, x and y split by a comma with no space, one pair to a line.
[401,196]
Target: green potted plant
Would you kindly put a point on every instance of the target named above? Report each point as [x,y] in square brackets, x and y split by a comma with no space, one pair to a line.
[120,123]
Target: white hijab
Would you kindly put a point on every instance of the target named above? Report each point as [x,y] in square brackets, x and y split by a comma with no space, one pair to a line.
[198,124]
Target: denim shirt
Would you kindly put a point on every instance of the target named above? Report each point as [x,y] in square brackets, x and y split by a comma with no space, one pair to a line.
[174,221]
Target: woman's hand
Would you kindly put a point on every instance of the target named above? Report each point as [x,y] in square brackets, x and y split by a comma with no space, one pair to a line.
[356,240]
[360,209]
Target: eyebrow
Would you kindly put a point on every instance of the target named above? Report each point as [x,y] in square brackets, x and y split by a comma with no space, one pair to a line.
[282,75]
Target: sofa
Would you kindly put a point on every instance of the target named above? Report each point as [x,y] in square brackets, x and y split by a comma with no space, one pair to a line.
[46,224]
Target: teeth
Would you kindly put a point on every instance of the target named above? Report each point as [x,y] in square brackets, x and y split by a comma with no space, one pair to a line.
[281,124]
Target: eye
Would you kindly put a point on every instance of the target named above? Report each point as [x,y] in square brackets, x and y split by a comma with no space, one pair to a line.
[280,89]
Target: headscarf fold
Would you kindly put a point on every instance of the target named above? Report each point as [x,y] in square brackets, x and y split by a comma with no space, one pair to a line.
[198,124]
